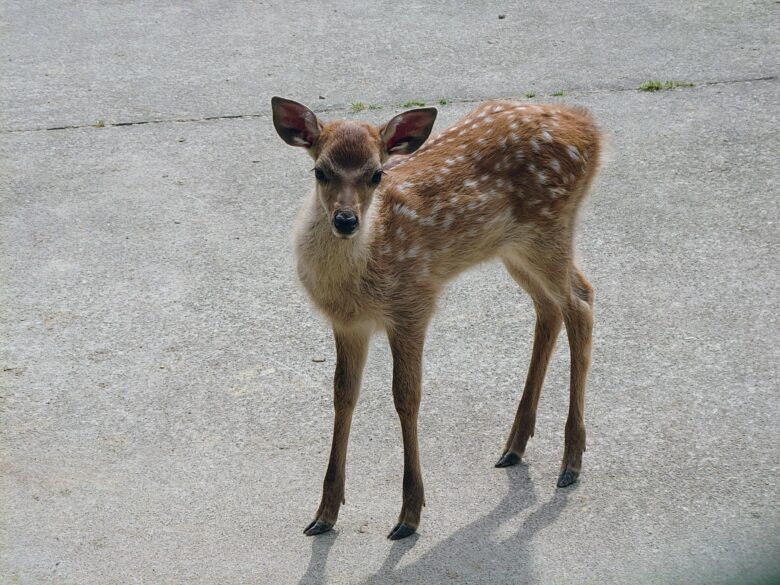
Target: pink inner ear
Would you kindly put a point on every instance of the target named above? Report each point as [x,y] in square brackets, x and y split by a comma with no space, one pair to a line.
[296,119]
[409,125]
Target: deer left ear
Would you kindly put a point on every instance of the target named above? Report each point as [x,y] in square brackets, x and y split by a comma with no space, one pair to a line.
[406,132]
[295,123]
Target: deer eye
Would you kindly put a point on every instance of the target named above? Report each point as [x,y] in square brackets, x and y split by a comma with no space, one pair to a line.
[320,175]
[376,177]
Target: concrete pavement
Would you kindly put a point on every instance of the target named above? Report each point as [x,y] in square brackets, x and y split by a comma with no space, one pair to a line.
[163,418]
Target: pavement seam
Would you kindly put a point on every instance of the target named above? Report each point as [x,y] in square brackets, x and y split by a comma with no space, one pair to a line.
[346,107]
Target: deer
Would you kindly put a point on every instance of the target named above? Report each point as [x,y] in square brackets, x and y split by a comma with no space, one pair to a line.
[392,217]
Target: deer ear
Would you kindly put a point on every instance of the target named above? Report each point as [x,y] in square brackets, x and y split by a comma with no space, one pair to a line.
[406,132]
[295,123]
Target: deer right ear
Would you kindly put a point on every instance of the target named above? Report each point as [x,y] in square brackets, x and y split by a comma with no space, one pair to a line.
[295,123]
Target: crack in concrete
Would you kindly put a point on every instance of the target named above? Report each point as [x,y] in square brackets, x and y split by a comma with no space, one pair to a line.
[344,107]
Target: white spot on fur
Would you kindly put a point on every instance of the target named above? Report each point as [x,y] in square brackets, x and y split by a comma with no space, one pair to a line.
[546,136]
[447,221]
[404,210]
[534,145]
[555,165]
[541,177]
[574,154]
[469,183]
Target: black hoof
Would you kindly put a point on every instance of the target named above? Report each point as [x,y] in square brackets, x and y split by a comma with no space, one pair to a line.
[507,459]
[400,531]
[317,527]
[567,477]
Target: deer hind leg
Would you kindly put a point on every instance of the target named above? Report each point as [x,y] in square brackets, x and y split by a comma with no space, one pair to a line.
[582,288]
[578,317]
[565,286]
[548,325]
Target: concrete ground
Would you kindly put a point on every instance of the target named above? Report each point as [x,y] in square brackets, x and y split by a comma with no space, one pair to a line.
[165,411]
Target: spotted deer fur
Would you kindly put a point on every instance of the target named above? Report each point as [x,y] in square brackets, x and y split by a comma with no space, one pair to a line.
[505,181]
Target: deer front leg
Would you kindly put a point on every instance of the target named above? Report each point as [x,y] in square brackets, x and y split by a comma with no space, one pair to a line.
[351,352]
[407,376]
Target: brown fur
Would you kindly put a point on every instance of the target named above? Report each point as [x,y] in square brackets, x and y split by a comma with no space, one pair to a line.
[506,181]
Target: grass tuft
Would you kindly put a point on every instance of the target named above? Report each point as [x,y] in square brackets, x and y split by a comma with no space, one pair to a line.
[413,104]
[530,94]
[100,124]
[443,101]
[374,107]
[356,107]
[655,85]
[558,93]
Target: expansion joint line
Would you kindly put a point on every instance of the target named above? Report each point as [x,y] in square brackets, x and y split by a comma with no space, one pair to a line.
[345,108]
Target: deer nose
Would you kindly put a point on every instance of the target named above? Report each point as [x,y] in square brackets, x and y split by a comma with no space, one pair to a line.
[345,222]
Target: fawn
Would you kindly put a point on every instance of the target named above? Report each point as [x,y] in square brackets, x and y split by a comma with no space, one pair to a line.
[376,242]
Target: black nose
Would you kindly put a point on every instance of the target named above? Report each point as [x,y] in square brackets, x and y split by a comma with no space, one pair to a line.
[345,222]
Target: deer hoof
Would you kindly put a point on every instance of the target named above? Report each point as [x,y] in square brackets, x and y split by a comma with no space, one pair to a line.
[567,477]
[400,531]
[507,459]
[317,527]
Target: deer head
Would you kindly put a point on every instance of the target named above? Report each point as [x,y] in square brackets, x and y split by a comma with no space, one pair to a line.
[349,155]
